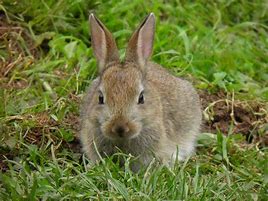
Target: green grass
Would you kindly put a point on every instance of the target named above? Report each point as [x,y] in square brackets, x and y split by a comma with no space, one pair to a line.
[46,63]
[218,172]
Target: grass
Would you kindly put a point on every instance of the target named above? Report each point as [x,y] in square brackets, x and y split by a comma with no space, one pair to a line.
[217,173]
[46,63]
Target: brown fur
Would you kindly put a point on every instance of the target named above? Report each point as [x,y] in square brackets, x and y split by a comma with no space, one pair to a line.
[168,120]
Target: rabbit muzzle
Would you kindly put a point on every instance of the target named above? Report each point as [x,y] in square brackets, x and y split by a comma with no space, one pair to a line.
[121,128]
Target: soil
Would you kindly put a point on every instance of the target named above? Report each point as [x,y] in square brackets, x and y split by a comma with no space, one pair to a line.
[222,112]
[5,155]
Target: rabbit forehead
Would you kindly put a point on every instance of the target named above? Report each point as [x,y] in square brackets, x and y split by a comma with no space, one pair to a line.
[121,84]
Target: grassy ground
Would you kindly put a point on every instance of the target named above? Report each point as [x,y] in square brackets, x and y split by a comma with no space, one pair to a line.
[46,63]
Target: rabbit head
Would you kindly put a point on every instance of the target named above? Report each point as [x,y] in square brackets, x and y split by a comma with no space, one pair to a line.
[120,95]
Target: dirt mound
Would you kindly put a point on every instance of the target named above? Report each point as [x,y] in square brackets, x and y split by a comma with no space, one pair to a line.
[222,112]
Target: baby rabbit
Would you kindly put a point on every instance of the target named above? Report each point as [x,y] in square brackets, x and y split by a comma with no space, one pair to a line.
[136,105]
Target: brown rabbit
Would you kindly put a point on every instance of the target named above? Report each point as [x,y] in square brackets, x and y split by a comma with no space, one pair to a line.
[136,105]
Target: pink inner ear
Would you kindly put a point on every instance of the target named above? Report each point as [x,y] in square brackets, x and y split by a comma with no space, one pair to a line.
[97,43]
[146,38]
[147,45]
[98,40]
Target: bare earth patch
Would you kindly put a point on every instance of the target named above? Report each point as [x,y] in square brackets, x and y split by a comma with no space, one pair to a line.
[222,112]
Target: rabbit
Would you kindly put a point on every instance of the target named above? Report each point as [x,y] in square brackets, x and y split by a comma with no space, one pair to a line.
[136,105]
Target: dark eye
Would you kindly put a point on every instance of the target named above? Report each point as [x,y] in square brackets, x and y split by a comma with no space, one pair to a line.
[101,99]
[141,98]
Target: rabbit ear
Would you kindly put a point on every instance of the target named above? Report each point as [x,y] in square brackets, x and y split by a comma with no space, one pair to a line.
[103,43]
[140,45]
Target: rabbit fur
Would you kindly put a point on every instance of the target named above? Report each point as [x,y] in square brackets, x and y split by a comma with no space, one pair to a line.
[136,105]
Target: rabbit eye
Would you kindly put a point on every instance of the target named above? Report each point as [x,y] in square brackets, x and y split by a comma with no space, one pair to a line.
[141,98]
[101,99]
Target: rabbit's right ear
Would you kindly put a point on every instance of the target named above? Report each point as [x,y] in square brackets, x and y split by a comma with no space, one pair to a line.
[140,45]
[103,43]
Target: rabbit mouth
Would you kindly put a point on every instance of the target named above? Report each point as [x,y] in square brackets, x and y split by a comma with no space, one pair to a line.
[121,131]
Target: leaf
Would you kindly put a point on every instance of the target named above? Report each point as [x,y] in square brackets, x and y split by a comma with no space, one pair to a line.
[70,49]
[219,79]
[40,38]
[11,142]
[66,135]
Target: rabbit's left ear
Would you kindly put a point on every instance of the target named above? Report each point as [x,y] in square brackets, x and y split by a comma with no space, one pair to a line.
[140,45]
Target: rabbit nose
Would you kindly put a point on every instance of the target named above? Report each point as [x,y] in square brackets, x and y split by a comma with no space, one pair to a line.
[120,130]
